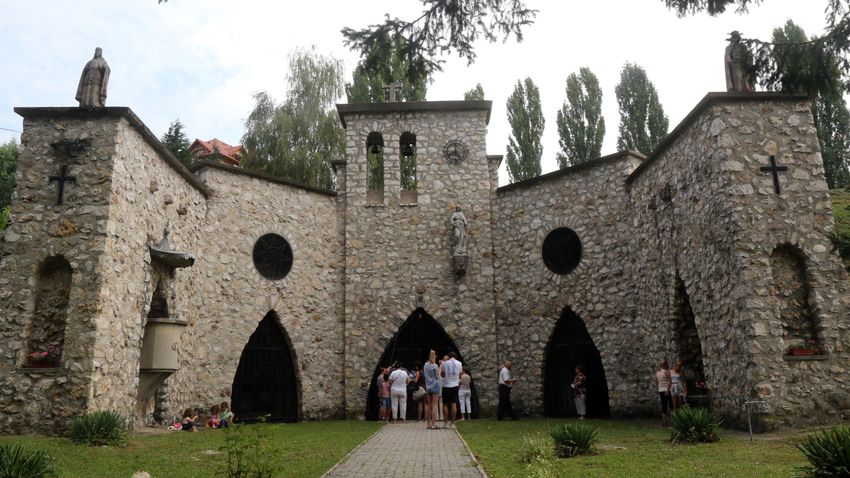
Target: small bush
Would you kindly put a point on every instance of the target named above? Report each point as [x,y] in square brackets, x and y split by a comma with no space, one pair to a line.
[18,462]
[694,425]
[573,439]
[540,468]
[828,453]
[535,448]
[100,428]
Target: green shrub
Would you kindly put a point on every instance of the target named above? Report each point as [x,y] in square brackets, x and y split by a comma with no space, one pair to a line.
[535,448]
[828,453]
[573,439]
[18,462]
[694,425]
[100,428]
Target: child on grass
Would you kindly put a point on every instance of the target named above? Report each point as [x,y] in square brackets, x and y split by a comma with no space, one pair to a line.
[226,415]
[188,422]
[214,421]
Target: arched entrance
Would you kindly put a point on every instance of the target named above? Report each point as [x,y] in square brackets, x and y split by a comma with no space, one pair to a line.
[415,338]
[265,384]
[571,345]
[689,347]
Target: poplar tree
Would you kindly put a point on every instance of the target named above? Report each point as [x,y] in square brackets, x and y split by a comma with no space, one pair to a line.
[474,94]
[643,123]
[8,163]
[581,126]
[526,119]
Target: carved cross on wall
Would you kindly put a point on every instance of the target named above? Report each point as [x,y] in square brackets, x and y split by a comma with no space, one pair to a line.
[775,170]
[62,178]
[393,89]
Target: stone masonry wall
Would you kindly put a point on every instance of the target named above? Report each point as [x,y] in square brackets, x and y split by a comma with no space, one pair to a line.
[44,400]
[392,249]
[592,201]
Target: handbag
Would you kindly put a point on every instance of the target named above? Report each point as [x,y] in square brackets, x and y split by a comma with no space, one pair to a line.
[418,394]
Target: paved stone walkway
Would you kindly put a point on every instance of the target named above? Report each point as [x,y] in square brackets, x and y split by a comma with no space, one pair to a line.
[409,451]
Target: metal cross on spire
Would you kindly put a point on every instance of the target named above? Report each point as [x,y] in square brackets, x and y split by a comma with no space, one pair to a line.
[393,89]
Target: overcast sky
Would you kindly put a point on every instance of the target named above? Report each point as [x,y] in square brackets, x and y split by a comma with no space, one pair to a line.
[202,60]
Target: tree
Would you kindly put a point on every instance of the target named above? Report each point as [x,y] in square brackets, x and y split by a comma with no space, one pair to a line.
[643,123]
[298,138]
[176,141]
[581,126]
[829,109]
[526,119]
[445,26]
[8,160]
[386,62]
[474,94]
[834,45]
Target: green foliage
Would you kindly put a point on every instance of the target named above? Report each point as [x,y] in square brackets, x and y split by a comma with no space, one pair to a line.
[540,468]
[694,425]
[298,138]
[19,462]
[5,218]
[175,140]
[828,453]
[474,94]
[573,439]
[8,160]
[841,211]
[535,447]
[244,453]
[643,123]
[99,428]
[375,167]
[385,62]
[581,126]
[446,26]
[526,119]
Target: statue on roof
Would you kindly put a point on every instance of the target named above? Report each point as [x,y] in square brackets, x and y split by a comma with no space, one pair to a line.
[739,65]
[91,92]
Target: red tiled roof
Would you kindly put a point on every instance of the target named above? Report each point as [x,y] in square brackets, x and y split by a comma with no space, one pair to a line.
[202,149]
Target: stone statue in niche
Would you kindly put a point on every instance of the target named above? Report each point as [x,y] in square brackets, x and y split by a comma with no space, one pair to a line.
[460,239]
[739,65]
[91,92]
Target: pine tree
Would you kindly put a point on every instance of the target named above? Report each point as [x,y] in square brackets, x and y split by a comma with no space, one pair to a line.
[643,123]
[581,126]
[474,94]
[526,119]
[386,62]
[176,141]
[8,162]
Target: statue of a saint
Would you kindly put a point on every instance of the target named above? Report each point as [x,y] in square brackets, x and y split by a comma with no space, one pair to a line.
[92,88]
[460,233]
[739,67]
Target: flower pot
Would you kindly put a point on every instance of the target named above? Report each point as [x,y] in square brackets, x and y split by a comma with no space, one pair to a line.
[804,351]
[42,364]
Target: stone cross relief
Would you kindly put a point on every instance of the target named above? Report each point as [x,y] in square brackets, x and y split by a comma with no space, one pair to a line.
[62,178]
[775,170]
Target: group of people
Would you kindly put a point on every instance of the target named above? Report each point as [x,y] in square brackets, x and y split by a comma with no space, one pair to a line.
[672,388]
[220,417]
[440,390]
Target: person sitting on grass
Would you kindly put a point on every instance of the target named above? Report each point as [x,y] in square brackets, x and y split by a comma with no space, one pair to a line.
[188,422]
[227,417]
[214,421]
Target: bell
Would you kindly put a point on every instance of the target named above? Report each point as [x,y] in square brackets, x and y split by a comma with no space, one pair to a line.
[408,150]
[376,149]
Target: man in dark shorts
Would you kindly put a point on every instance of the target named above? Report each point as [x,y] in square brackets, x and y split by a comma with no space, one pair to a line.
[452,369]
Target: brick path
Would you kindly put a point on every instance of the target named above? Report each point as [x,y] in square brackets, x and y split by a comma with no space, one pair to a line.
[409,451]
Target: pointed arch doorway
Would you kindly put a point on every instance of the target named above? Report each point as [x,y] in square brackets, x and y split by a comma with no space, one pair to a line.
[265,384]
[410,345]
[571,345]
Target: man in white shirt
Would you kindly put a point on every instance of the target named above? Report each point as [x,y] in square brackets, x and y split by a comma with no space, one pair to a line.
[452,369]
[398,393]
[506,382]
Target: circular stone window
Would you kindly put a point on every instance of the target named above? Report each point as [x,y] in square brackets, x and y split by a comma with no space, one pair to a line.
[562,250]
[273,256]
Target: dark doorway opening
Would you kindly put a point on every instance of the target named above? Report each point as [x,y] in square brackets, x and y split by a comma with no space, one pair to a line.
[411,344]
[569,346]
[689,347]
[265,383]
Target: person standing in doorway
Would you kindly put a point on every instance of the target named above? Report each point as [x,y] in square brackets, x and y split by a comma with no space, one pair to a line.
[464,392]
[580,393]
[398,393]
[506,383]
[432,387]
[452,369]
[384,394]
[662,380]
[678,388]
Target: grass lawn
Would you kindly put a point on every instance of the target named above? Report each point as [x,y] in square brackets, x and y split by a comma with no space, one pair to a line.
[297,450]
[635,448]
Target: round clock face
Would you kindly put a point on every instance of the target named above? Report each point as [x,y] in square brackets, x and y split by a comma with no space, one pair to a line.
[455,151]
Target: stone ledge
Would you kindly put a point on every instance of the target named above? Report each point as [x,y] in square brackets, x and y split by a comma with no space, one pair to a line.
[40,371]
[804,358]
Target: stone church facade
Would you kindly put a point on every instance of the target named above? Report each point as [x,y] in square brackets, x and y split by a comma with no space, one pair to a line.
[152,288]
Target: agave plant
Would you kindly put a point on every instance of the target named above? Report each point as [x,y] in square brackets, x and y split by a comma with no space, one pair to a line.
[828,453]
[694,425]
[99,428]
[19,462]
[573,439]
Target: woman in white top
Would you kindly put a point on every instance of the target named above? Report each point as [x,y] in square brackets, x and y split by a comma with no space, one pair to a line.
[662,379]
[678,388]
[398,393]
[464,393]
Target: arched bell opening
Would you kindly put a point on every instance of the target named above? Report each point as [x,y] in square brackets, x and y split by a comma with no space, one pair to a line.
[572,345]
[266,384]
[416,337]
